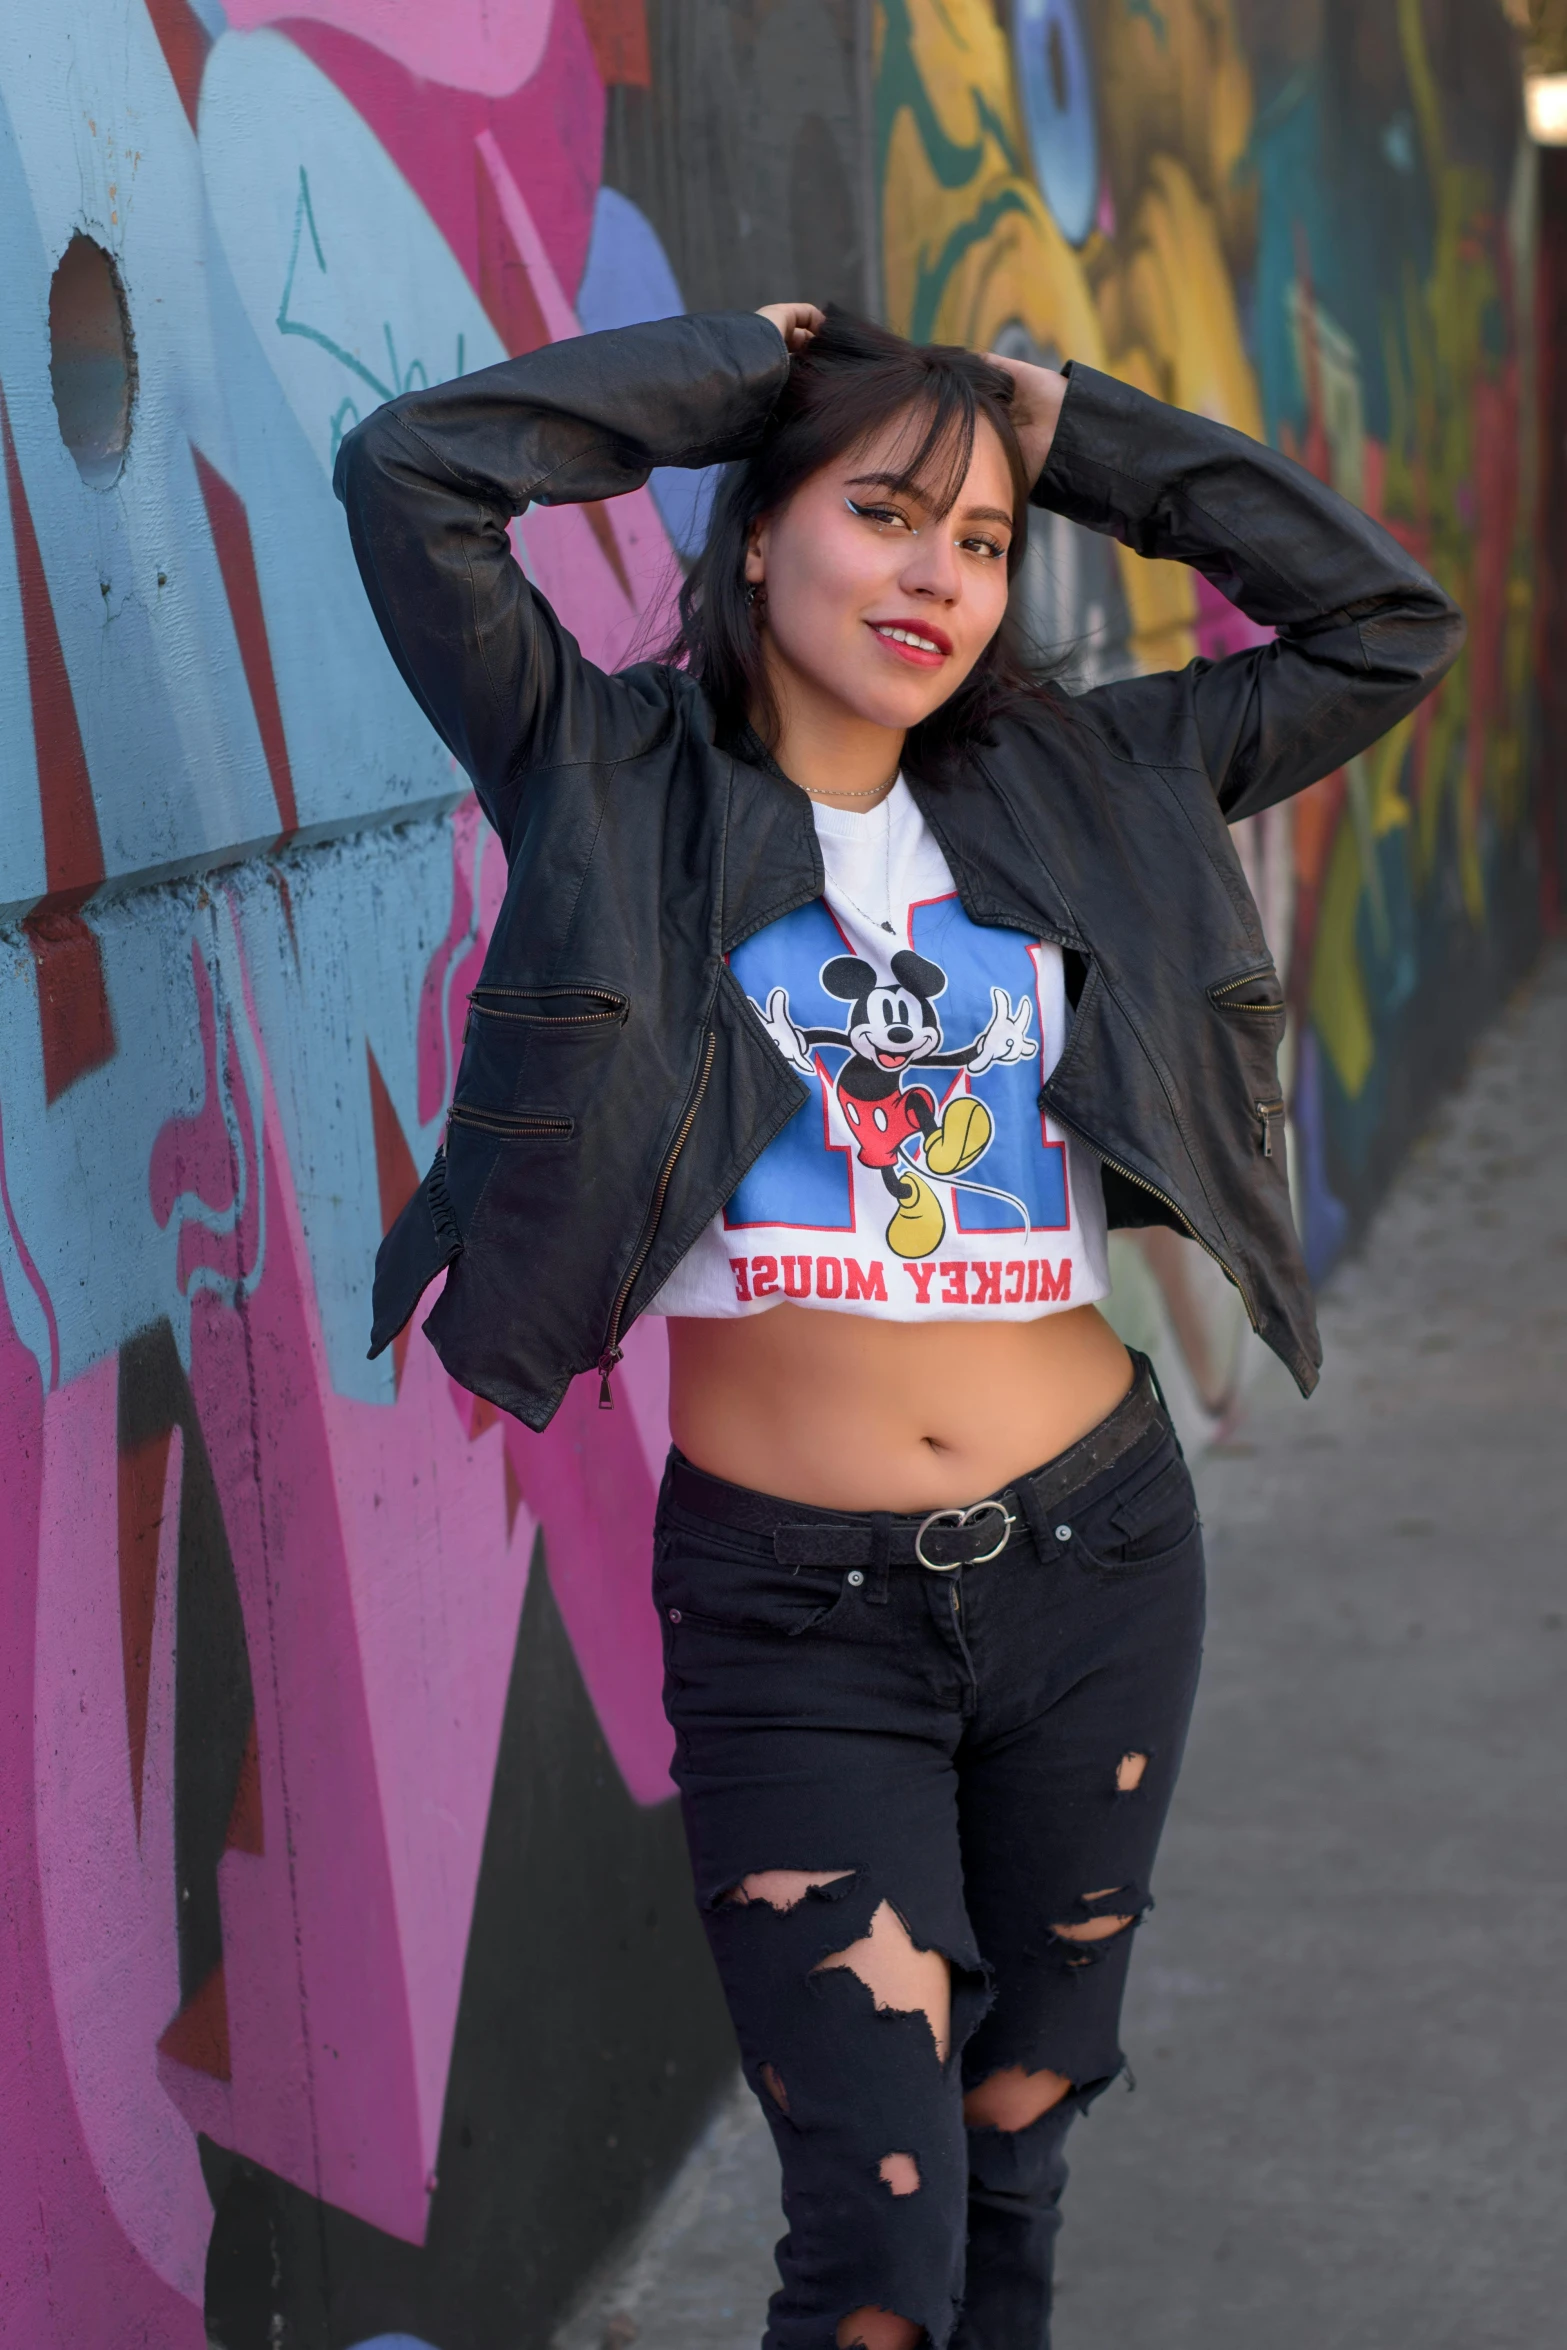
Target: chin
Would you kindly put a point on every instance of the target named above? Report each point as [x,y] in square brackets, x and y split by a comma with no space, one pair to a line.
[894,709]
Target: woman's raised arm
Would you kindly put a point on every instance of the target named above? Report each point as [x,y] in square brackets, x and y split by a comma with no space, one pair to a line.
[1363,632]
[431,481]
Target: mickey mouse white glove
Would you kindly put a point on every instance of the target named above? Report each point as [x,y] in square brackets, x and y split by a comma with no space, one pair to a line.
[1006,1039]
[789,1039]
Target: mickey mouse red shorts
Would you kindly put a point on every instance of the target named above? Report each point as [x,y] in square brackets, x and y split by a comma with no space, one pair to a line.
[881,1128]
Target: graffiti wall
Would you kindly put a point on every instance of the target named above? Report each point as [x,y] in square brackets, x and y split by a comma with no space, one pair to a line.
[1315,222]
[349,1986]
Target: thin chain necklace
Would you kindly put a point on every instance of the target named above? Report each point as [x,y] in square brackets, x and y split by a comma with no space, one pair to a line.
[884,923]
[827,792]
[832,792]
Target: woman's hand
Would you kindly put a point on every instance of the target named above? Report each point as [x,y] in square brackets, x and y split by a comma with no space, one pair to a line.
[797,322]
[1037,394]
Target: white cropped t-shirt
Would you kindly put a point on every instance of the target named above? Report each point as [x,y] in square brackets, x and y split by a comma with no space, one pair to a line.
[921,1181]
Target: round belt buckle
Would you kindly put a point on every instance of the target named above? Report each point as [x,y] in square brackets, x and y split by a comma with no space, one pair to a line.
[955,1519]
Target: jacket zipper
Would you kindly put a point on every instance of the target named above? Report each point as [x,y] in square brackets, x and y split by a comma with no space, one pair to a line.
[1143,1185]
[1216,995]
[1266,1113]
[611,1354]
[616,1004]
[508,1127]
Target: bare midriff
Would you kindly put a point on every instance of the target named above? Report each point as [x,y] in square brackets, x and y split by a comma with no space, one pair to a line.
[853,1413]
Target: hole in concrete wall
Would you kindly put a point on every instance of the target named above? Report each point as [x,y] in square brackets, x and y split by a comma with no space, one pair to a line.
[92,360]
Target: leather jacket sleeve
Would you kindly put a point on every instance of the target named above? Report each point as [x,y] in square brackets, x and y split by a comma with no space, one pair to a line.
[1363,632]
[431,481]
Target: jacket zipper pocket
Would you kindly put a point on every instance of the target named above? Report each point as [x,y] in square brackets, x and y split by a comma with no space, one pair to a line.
[501,1123]
[1153,1189]
[1266,1113]
[1217,995]
[615,1009]
[611,1354]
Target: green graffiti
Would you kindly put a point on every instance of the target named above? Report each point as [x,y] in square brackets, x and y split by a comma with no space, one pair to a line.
[304,217]
[899,86]
[931,279]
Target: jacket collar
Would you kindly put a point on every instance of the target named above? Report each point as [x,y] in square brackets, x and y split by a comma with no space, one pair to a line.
[773,861]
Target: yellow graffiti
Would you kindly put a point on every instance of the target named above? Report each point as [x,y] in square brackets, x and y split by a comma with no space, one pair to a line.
[972,252]
[970,248]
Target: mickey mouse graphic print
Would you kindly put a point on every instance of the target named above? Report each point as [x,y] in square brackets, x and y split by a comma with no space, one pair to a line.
[920,1179]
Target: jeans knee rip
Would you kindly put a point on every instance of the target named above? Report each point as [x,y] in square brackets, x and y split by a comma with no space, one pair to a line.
[1079,2097]
[1078,1943]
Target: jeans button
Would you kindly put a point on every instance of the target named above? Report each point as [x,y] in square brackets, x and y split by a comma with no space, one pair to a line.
[855,1578]
[1063,1534]
[674,1615]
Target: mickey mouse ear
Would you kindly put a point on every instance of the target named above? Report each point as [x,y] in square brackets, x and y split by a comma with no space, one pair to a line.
[911,970]
[848,978]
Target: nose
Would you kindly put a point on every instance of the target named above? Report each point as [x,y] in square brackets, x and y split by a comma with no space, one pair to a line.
[899,1035]
[931,568]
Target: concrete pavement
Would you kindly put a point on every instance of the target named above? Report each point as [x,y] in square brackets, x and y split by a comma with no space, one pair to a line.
[1347,2017]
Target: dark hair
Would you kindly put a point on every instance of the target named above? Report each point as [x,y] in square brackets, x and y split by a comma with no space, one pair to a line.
[852,380]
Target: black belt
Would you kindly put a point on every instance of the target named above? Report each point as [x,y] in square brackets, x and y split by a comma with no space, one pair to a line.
[943,1540]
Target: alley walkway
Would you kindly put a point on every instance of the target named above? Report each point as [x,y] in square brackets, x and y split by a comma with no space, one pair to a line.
[1347,2018]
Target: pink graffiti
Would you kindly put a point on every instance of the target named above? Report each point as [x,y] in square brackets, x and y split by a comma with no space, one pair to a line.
[380,1554]
[1221,626]
[511,182]
[464,44]
[549,128]
[81,2254]
[207,1167]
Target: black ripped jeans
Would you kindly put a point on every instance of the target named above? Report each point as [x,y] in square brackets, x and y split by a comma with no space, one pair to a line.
[989,1748]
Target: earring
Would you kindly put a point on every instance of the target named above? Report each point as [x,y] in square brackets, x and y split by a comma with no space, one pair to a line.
[755,596]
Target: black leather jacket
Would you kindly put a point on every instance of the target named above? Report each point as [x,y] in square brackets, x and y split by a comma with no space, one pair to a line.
[615,1084]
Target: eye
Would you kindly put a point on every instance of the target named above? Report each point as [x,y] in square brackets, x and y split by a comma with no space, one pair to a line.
[883,517]
[988,550]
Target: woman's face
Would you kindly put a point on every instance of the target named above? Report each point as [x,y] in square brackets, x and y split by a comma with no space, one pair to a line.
[875,603]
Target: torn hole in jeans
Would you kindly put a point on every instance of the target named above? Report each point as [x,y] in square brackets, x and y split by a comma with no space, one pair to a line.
[900,2173]
[1012,2098]
[782,1889]
[871,2328]
[1094,1932]
[900,1977]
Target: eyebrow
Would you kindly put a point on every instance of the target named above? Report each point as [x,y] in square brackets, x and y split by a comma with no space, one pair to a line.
[911,489]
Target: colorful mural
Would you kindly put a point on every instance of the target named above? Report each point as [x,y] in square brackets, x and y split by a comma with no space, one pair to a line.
[1317,224]
[330,1731]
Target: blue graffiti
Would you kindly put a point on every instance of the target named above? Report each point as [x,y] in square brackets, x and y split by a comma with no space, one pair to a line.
[1057,90]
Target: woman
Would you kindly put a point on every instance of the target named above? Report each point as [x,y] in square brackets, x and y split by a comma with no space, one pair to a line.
[848,987]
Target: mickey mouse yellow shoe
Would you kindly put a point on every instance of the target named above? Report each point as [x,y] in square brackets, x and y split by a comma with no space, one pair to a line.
[918,1227]
[965,1129]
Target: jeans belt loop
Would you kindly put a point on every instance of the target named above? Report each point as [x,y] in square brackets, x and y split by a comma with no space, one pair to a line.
[1045,1543]
[879,1575]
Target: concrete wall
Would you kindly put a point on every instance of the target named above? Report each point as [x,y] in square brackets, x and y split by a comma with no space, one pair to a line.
[347,1983]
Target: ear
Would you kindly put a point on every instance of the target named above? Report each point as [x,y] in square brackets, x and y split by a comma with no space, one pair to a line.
[848,978]
[912,971]
[756,554]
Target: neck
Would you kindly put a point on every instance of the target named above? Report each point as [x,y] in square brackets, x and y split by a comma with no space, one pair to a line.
[840,758]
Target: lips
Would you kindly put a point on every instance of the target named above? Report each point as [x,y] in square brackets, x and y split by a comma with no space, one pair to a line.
[913,641]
